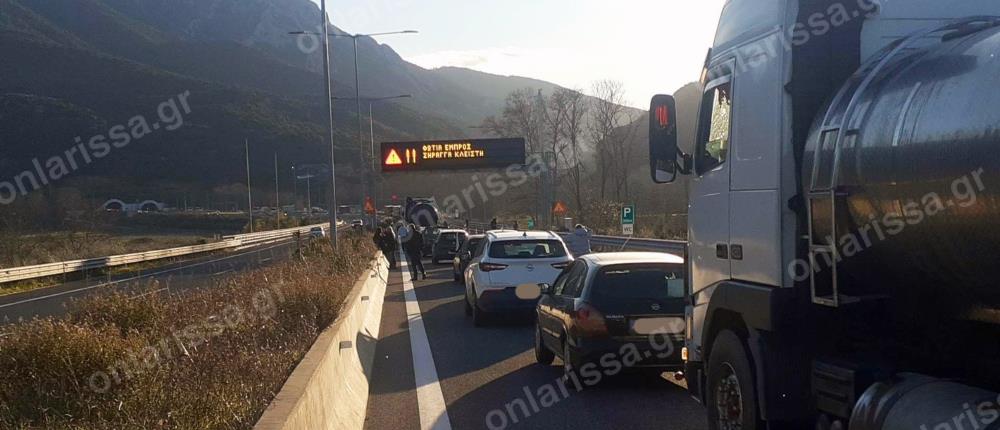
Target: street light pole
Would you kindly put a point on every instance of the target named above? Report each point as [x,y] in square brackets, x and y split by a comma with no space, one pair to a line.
[361,146]
[277,195]
[367,172]
[295,189]
[333,150]
[329,93]
[376,179]
[370,164]
[246,146]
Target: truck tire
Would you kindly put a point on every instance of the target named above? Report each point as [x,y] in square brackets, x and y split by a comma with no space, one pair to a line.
[731,390]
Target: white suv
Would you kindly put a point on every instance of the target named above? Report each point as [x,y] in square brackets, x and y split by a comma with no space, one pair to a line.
[505,260]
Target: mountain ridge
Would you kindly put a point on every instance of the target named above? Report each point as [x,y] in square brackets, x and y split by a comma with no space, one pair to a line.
[249,78]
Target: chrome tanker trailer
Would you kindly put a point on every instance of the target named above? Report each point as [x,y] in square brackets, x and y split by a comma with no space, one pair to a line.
[844,216]
[422,211]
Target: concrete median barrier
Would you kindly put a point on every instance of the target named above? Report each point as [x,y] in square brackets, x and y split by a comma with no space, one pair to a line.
[329,388]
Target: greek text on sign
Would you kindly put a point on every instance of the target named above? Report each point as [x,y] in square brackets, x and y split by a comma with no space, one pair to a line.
[452,150]
[452,155]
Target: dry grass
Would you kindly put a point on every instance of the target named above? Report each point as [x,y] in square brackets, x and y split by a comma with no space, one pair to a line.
[212,359]
[26,250]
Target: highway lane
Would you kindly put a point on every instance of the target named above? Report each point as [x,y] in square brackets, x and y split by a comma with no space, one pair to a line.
[483,370]
[174,277]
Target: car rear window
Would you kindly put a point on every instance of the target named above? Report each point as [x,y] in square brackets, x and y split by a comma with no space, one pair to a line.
[514,249]
[639,282]
[450,240]
[473,243]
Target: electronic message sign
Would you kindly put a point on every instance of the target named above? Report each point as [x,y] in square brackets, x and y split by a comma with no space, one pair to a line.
[452,154]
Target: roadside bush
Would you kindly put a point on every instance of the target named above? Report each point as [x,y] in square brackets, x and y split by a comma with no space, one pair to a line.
[211,358]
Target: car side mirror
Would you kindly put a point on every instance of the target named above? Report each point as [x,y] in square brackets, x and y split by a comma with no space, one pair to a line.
[546,289]
[663,139]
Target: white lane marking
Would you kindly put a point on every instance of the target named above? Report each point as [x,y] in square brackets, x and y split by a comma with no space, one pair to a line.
[430,400]
[121,281]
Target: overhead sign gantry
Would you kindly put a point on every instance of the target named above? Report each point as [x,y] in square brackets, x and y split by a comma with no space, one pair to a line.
[453,154]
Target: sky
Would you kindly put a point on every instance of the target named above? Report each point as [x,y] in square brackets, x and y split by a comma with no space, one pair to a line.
[652,46]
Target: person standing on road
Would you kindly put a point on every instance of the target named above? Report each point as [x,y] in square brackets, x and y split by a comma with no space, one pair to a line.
[579,241]
[494,224]
[414,248]
[386,241]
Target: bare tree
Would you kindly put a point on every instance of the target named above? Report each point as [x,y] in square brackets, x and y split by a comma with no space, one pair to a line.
[610,137]
[521,116]
[575,114]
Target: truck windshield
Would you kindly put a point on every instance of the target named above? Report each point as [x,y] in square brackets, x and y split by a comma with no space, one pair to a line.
[513,249]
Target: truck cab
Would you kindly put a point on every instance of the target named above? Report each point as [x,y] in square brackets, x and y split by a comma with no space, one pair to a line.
[773,68]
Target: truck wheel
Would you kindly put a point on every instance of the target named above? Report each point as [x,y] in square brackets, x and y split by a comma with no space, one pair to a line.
[731,391]
[543,355]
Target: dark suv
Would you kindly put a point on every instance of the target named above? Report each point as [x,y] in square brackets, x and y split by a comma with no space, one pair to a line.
[447,244]
[604,306]
[464,256]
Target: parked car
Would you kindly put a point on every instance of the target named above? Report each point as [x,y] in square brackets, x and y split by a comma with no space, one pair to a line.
[317,232]
[505,260]
[464,256]
[447,244]
[602,302]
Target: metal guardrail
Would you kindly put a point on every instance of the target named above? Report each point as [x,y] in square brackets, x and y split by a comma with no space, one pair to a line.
[636,244]
[613,242]
[227,242]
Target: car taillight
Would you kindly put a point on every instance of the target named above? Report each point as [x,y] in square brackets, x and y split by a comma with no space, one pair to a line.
[491,267]
[561,266]
[589,321]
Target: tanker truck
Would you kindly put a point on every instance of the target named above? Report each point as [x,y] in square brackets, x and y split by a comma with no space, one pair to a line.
[843,215]
[422,211]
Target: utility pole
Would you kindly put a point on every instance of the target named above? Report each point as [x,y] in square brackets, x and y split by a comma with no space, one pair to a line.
[309,195]
[333,150]
[277,195]
[246,145]
[295,189]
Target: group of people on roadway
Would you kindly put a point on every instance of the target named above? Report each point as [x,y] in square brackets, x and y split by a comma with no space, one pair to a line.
[412,240]
[388,241]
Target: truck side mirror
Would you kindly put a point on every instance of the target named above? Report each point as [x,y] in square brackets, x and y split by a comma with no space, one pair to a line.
[663,139]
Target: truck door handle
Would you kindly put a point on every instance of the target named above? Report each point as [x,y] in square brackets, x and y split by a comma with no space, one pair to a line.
[722,251]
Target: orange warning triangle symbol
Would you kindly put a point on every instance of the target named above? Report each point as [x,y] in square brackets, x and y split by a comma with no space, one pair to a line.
[393,159]
[560,209]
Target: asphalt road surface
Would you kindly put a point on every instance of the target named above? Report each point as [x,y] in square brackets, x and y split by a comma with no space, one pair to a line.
[172,277]
[475,378]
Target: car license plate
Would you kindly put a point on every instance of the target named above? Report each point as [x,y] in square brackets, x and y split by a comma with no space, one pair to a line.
[647,326]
